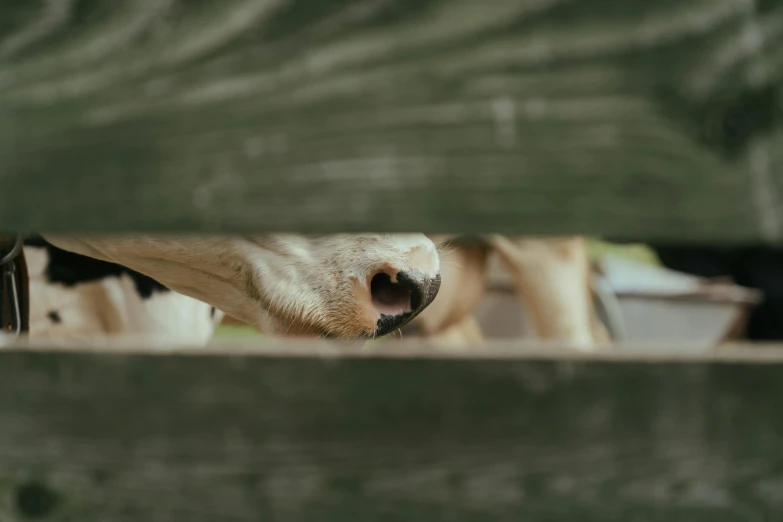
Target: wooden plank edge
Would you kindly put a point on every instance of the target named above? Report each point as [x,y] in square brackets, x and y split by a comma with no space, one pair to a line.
[743,353]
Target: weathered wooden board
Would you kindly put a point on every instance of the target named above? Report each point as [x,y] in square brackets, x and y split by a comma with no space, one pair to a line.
[634,119]
[145,438]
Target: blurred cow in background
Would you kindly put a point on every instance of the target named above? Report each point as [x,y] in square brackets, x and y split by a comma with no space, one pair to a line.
[551,276]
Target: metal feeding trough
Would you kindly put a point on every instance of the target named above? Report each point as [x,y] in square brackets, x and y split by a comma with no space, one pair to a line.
[638,302]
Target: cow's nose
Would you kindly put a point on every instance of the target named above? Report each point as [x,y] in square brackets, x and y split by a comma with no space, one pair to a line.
[401,297]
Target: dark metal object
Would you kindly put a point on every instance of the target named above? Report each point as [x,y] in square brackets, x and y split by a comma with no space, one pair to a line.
[14,287]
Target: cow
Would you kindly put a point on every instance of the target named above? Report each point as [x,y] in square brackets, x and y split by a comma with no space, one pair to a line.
[177,288]
[551,276]
[86,297]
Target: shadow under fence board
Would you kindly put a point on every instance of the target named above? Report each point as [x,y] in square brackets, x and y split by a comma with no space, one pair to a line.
[147,438]
[631,119]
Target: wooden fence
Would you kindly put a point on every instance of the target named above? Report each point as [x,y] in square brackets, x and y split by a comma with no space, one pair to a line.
[633,119]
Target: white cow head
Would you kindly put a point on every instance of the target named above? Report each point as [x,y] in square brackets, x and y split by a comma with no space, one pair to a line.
[346,286]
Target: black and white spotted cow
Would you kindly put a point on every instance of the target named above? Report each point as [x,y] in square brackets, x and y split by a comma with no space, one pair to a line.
[78,297]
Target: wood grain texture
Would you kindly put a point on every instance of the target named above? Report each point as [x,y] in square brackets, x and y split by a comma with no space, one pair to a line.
[633,119]
[239,438]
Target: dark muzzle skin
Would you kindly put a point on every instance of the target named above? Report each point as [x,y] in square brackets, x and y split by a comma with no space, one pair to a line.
[423,291]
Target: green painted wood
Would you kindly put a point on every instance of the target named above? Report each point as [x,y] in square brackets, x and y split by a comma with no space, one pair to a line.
[143,438]
[654,120]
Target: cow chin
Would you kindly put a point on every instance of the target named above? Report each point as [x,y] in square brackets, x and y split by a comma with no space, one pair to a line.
[347,325]
[381,304]
[352,325]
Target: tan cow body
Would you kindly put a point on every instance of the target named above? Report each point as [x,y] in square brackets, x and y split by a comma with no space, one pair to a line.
[550,275]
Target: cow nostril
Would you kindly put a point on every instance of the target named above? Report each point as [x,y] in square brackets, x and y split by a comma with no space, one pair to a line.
[400,301]
[389,298]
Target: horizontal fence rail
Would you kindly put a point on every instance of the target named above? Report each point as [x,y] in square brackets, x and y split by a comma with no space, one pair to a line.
[334,433]
[642,119]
